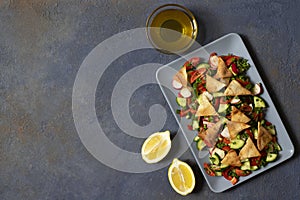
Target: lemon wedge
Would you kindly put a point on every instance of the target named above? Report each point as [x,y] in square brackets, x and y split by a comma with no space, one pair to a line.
[181,177]
[156,147]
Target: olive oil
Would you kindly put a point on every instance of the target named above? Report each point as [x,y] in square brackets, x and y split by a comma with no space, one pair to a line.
[172,30]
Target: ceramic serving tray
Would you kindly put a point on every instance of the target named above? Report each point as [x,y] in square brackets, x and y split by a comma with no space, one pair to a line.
[231,43]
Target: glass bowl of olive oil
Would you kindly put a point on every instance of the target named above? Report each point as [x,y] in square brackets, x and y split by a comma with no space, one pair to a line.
[171,28]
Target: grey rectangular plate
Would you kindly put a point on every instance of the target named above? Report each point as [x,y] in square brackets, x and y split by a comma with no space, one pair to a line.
[231,43]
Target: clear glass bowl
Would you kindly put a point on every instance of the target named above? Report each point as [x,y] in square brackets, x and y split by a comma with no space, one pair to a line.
[171,28]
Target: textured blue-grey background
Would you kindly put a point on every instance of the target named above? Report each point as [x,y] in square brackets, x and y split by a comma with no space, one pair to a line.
[42,45]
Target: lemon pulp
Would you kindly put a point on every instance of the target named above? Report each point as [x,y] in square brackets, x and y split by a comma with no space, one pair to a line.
[181,177]
[156,147]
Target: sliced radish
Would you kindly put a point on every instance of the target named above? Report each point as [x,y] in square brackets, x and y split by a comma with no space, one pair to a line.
[208,124]
[220,152]
[235,101]
[195,61]
[205,118]
[185,92]
[176,85]
[208,95]
[225,133]
[234,69]
[257,89]
[214,61]
[211,150]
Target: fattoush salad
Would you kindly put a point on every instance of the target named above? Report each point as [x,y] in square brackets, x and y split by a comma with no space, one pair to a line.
[227,113]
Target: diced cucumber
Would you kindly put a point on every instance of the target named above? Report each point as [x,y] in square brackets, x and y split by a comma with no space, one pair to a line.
[218,94]
[277,146]
[203,65]
[223,166]
[181,101]
[253,168]
[188,116]
[215,167]
[246,166]
[200,144]
[214,159]
[245,160]
[271,129]
[236,143]
[255,133]
[196,138]
[218,173]
[271,157]
[223,107]
[259,102]
[195,124]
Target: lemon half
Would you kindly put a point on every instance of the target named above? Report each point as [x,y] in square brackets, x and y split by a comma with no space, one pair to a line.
[156,147]
[181,177]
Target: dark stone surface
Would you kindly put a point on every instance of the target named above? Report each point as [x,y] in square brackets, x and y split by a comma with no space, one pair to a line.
[44,42]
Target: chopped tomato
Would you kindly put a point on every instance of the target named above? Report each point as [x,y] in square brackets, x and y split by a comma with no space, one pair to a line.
[263,153]
[268,123]
[183,113]
[240,172]
[208,170]
[234,68]
[226,148]
[187,64]
[229,61]
[243,83]
[255,161]
[249,133]
[193,76]
[201,88]
[229,57]
[225,173]
[226,141]
[234,180]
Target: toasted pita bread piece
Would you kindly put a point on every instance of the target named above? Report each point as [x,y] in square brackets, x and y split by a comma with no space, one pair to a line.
[235,127]
[232,159]
[213,85]
[181,76]
[235,88]
[238,116]
[205,107]
[263,137]
[225,80]
[249,150]
[211,134]
[222,71]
